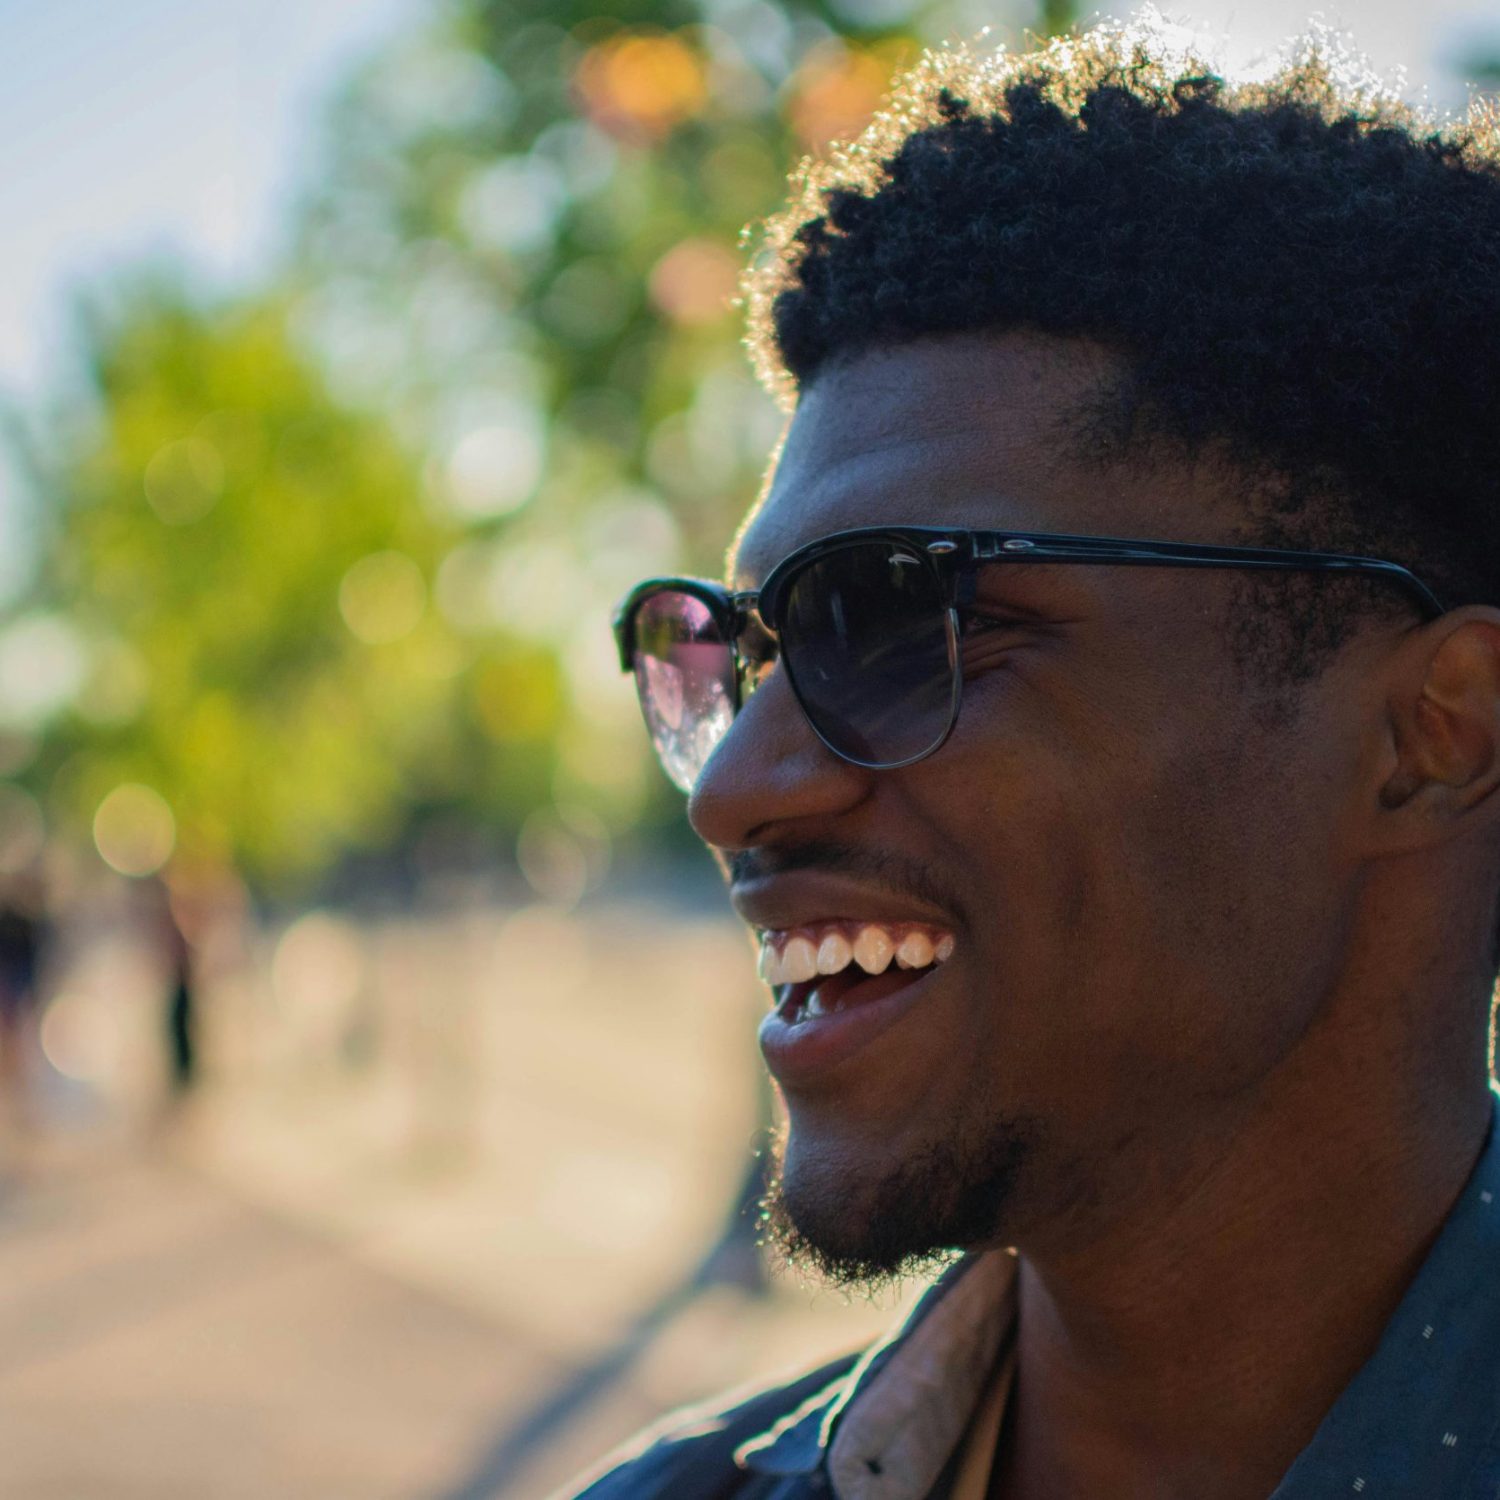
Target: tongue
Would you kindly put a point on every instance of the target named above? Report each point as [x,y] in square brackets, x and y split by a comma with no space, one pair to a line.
[852,986]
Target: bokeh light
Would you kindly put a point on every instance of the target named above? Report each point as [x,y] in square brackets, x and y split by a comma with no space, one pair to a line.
[317,956]
[76,1037]
[512,205]
[134,830]
[382,597]
[184,480]
[43,663]
[640,85]
[494,467]
[564,853]
[836,91]
[117,684]
[695,281]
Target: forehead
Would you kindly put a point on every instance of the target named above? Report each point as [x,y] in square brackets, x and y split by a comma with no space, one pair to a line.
[960,431]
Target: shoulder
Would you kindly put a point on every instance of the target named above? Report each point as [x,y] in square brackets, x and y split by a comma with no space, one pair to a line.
[690,1455]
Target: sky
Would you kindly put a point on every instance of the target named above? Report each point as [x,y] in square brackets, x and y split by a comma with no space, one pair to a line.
[131,127]
[1426,38]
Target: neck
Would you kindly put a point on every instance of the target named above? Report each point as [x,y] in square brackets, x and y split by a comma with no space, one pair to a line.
[1195,1346]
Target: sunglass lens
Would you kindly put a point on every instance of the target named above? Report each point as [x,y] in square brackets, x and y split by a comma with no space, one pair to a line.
[865,638]
[685,675]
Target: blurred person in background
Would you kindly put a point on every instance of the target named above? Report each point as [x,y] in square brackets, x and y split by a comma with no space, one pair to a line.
[1100,732]
[177,913]
[179,1029]
[22,939]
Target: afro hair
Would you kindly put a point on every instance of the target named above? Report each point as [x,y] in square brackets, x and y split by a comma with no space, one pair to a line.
[1302,273]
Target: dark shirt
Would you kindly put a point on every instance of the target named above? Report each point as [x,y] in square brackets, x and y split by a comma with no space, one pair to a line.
[1420,1421]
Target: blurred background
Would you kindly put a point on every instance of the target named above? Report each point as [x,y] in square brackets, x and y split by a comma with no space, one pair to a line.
[379,1102]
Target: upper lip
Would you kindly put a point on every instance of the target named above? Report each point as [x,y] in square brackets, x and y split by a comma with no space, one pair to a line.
[775,903]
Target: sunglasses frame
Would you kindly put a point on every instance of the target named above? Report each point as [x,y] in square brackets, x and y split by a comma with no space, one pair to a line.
[955,555]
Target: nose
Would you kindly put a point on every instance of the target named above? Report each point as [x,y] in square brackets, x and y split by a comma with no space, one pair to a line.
[770,769]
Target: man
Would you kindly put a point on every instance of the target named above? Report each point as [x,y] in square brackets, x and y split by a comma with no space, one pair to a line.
[1129,900]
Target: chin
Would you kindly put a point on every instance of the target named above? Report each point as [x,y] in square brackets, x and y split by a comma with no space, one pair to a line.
[861,1224]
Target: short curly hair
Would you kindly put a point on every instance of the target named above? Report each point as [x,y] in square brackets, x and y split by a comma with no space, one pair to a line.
[1300,274]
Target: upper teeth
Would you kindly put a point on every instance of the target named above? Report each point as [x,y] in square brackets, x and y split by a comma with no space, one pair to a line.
[795,957]
[834,953]
[799,961]
[915,951]
[873,949]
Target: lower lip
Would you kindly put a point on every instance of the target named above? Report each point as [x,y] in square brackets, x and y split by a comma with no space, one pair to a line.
[801,1052]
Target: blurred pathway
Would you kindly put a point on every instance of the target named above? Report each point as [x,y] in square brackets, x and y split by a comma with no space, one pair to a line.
[441,1240]
[161,1339]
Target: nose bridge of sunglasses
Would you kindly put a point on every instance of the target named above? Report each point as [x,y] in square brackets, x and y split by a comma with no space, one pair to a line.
[755,645]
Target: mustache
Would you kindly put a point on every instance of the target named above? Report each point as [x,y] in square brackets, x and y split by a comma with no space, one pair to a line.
[885,870]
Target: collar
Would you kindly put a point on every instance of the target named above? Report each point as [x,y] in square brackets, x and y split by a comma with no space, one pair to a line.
[886,1429]
[1420,1419]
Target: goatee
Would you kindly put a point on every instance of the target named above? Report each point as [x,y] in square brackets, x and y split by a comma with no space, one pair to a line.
[865,1236]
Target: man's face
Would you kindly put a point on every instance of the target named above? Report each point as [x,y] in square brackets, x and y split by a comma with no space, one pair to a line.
[1140,867]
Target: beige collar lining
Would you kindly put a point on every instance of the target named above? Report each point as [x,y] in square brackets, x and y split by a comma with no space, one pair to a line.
[897,1434]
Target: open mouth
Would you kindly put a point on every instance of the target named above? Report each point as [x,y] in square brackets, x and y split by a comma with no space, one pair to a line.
[829,967]
[812,999]
[839,986]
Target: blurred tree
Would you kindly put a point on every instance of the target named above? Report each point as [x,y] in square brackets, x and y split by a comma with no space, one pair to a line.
[1482,68]
[244,579]
[529,246]
[1057,16]
[341,556]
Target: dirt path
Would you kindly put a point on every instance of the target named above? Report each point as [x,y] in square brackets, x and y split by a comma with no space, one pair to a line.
[425,1236]
[159,1338]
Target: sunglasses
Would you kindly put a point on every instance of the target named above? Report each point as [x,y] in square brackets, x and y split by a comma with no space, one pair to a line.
[869,627]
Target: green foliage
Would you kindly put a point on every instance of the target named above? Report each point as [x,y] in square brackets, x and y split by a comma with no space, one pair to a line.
[1057,16]
[340,555]
[247,575]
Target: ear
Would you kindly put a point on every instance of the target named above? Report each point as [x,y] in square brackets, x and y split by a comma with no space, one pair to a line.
[1444,717]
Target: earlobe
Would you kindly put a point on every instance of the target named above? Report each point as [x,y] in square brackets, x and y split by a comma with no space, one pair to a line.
[1446,732]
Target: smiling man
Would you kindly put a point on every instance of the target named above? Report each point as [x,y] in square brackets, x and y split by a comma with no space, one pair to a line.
[1100,729]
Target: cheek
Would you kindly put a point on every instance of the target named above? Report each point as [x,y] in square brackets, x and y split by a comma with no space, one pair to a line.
[1129,902]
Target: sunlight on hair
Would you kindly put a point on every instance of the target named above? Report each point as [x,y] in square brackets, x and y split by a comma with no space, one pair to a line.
[1155,60]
